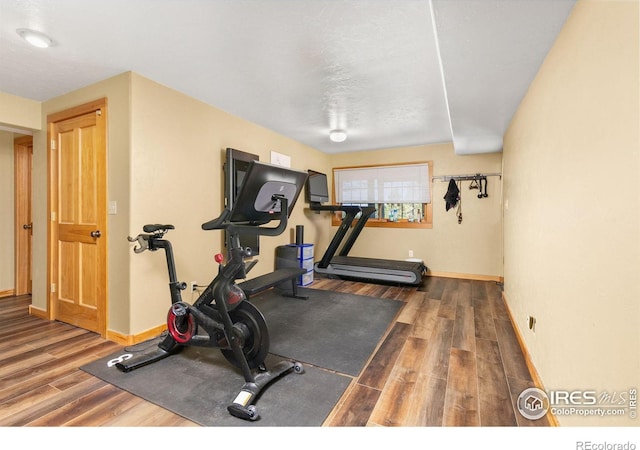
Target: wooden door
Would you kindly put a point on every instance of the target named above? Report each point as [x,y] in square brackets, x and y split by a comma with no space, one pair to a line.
[23,151]
[78,264]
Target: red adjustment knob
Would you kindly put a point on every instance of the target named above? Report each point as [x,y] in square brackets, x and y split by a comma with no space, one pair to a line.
[219,258]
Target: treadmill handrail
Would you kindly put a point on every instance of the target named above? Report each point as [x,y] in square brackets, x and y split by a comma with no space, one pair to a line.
[367,212]
[351,212]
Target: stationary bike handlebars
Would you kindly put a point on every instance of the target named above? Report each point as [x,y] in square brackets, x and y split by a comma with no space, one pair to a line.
[146,241]
[143,242]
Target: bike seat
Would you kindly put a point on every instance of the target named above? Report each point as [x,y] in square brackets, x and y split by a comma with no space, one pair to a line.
[152,228]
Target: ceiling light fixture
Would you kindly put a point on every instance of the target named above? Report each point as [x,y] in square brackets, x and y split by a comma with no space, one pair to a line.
[35,38]
[337,135]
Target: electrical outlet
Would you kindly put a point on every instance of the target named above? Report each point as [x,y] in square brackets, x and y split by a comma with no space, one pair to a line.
[194,286]
[410,253]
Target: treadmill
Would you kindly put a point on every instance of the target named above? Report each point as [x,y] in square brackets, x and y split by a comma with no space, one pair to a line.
[366,269]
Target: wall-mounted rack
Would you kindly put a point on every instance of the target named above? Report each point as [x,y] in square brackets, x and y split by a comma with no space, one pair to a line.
[476,177]
[453,196]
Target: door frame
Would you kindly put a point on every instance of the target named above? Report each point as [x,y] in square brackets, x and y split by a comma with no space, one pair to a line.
[52,197]
[23,215]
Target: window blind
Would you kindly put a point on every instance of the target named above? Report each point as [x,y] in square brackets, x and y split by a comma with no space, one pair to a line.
[408,183]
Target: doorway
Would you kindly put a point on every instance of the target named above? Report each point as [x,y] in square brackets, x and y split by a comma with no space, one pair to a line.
[78,216]
[23,156]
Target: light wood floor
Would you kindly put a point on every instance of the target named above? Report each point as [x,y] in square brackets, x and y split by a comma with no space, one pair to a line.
[451,358]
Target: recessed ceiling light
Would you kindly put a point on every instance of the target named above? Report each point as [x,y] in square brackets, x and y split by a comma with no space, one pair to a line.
[337,135]
[35,38]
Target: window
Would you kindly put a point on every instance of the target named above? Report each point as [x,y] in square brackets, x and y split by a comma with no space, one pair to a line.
[401,193]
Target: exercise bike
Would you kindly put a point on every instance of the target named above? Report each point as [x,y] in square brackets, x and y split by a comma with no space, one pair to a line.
[222,317]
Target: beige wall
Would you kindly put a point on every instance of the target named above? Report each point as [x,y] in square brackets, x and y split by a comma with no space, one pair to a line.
[571,220]
[471,248]
[7,252]
[19,113]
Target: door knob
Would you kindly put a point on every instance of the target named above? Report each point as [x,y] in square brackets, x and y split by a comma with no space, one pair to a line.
[27,226]
[96,234]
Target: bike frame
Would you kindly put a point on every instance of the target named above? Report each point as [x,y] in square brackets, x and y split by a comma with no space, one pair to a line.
[234,269]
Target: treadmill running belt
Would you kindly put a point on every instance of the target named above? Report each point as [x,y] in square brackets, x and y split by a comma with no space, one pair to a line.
[375,269]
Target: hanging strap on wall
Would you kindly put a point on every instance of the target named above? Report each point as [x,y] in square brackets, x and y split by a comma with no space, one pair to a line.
[459,211]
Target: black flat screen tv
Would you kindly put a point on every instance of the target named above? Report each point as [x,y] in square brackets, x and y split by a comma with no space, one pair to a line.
[235,170]
[317,187]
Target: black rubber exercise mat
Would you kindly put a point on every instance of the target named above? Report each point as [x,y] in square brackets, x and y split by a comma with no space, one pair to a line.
[332,334]
[333,330]
[199,383]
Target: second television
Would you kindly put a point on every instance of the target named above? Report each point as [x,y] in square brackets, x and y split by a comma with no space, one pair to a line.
[317,189]
[235,170]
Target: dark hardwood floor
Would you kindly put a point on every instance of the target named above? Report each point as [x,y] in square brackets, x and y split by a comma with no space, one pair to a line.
[451,358]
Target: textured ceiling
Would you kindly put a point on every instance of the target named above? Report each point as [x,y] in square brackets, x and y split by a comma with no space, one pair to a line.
[392,73]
